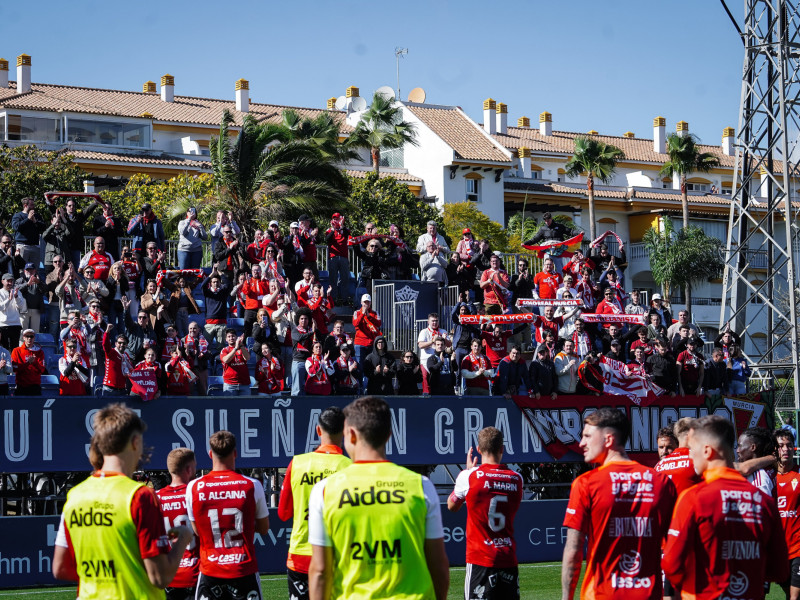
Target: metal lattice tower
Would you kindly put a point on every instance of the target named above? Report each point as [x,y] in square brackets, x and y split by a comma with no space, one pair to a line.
[759,292]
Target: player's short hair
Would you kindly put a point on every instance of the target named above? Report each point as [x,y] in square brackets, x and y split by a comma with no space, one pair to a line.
[114,425]
[762,438]
[717,430]
[95,456]
[490,441]
[331,420]
[371,417]
[222,443]
[229,331]
[178,458]
[682,426]
[667,432]
[782,434]
[611,418]
[433,315]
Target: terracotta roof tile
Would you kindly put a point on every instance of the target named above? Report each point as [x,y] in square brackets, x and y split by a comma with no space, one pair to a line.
[558,188]
[459,132]
[153,159]
[644,194]
[185,109]
[404,177]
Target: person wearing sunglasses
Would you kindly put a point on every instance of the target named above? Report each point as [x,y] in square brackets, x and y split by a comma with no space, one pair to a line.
[28,362]
[118,363]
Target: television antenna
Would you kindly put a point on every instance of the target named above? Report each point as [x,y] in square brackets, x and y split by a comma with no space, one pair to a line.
[398,54]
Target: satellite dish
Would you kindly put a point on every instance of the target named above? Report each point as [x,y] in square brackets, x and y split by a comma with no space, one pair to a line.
[417,95]
[358,104]
[386,92]
[341,103]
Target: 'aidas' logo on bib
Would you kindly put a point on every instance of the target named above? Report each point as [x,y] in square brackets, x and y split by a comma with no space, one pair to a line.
[370,497]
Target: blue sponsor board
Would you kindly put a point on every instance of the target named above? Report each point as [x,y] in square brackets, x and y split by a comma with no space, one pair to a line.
[26,543]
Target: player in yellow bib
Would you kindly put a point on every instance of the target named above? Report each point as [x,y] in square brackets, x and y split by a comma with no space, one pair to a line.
[303,473]
[375,528]
[112,538]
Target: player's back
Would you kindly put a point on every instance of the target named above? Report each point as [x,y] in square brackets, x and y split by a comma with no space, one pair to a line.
[493,497]
[223,507]
[172,499]
[678,466]
[789,509]
[624,508]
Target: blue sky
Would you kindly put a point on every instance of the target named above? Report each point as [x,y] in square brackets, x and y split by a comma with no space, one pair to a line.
[610,66]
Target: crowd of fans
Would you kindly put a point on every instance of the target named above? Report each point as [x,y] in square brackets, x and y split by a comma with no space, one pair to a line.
[125,315]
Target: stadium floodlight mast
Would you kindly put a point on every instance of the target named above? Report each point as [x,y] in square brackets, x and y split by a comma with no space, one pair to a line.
[763,223]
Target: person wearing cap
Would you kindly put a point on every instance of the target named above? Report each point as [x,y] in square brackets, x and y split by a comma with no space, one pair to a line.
[338,258]
[467,246]
[657,307]
[145,228]
[28,227]
[109,227]
[308,239]
[28,363]
[273,233]
[215,231]
[191,235]
[367,325]
[549,230]
[615,351]
[12,306]
[431,235]
[74,221]
[33,291]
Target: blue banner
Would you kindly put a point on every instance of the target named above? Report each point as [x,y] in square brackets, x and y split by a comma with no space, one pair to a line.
[26,543]
[52,435]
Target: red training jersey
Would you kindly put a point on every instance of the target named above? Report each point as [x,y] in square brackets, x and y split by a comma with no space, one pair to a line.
[547,284]
[680,469]
[789,509]
[235,372]
[624,509]
[493,494]
[28,365]
[725,540]
[173,505]
[541,326]
[495,346]
[224,507]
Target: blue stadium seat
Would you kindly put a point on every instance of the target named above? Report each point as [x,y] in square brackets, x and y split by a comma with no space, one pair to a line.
[51,362]
[199,319]
[45,339]
[215,386]
[49,384]
[237,324]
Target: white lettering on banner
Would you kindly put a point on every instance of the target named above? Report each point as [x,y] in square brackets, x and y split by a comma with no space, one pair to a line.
[571,421]
[14,565]
[473,423]
[529,435]
[501,423]
[179,417]
[443,438]
[248,433]
[20,454]
[47,435]
[549,538]
[312,439]
[282,432]
[640,429]
[398,431]
[457,534]
[210,429]
[90,425]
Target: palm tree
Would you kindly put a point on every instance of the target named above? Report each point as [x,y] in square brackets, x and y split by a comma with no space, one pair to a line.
[598,160]
[382,126]
[323,131]
[684,158]
[265,173]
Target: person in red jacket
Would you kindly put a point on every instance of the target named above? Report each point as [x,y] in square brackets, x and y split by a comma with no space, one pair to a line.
[28,362]
[338,262]
[367,324]
[235,372]
[725,539]
[321,307]
[269,372]
[118,364]
[73,372]
[180,376]
[319,370]
[253,290]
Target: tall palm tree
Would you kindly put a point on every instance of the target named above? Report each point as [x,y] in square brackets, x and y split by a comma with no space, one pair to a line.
[265,173]
[323,131]
[382,127]
[599,161]
[684,158]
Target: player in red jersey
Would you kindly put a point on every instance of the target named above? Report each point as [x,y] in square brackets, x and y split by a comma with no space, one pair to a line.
[492,492]
[666,442]
[495,342]
[623,508]
[678,465]
[226,510]
[725,538]
[182,465]
[789,508]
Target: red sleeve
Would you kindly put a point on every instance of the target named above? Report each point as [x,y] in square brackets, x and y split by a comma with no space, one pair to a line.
[357,317]
[777,551]
[149,521]
[377,321]
[40,362]
[680,539]
[70,564]
[286,501]
[577,516]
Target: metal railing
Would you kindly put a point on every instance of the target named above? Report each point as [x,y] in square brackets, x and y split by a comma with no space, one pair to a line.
[404,333]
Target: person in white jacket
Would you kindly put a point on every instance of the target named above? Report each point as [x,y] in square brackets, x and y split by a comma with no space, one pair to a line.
[12,304]
[567,368]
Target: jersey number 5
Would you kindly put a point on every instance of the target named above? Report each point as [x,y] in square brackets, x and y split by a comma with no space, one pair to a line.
[227,540]
[497,520]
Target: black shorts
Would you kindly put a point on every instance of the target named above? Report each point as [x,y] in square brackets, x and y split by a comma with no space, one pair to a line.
[234,588]
[176,593]
[491,583]
[298,585]
[669,590]
[794,572]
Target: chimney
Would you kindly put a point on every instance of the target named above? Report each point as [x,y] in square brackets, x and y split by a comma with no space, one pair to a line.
[331,104]
[3,73]
[489,107]
[546,123]
[242,95]
[660,135]
[728,140]
[23,74]
[351,92]
[591,132]
[168,88]
[88,186]
[628,134]
[502,118]
[524,122]
[149,87]
[682,127]
[524,154]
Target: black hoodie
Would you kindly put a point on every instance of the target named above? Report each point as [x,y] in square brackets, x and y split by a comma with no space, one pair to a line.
[379,383]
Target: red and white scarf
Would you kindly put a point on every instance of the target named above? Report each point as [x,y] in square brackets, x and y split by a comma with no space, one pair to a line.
[343,365]
[317,370]
[583,343]
[200,345]
[477,362]
[603,236]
